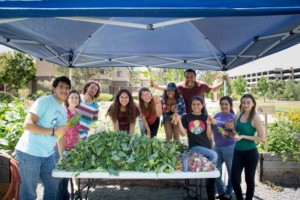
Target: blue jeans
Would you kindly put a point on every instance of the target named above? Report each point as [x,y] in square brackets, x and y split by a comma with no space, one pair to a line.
[142,127]
[32,168]
[209,153]
[225,154]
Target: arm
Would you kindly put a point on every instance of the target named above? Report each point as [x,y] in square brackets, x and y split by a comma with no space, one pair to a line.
[182,130]
[216,87]
[209,131]
[146,126]
[257,124]
[116,125]
[30,124]
[158,106]
[155,86]
[131,128]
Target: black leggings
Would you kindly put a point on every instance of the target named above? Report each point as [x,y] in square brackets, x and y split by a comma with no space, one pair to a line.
[154,127]
[248,160]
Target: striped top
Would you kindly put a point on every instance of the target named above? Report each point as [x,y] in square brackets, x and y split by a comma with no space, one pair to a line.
[89,114]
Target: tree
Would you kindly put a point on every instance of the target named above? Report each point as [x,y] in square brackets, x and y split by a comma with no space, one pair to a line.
[16,70]
[80,76]
[276,89]
[240,85]
[263,86]
[289,90]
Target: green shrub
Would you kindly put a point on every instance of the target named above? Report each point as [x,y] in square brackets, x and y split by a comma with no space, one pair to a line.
[6,97]
[105,97]
[282,137]
[12,116]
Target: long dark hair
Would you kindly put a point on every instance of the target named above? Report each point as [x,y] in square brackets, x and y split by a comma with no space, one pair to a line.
[229,99]
[67,102]
[141,102]
[115,107]
[199,98]
[252,112]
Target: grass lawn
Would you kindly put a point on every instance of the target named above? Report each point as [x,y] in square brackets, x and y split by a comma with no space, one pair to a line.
[279,105]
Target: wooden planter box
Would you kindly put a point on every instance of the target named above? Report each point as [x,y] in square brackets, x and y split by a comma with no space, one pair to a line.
[272,168]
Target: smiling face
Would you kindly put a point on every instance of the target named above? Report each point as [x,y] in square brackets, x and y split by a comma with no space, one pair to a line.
[225,106]
[247,104]
[190,79]
[124,99]
[61,91]
[73,100]
[92,90]
[170,94]
[146,96]
[197,106]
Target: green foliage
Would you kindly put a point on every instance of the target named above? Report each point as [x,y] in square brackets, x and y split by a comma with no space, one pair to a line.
[263,87]
[282,137]
[12,116]
[163,76]
[118,151]
[6,97]
[229,90]
[104,97]
[276,89]
[240,85]
[16,70]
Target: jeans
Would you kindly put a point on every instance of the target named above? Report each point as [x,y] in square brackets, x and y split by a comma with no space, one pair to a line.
[212,156]
[142,127]
[32,168]
[209,153]
[225,154]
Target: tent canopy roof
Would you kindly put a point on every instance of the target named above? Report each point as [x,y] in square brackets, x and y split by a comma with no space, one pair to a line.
[214,35]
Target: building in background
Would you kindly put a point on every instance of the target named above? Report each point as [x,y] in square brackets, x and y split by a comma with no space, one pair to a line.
[110,80]
[279,73]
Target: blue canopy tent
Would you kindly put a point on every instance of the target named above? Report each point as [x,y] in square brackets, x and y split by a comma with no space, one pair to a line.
[216,35]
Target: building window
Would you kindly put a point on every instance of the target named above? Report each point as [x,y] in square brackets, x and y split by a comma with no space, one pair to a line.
[120,74]
[102,71]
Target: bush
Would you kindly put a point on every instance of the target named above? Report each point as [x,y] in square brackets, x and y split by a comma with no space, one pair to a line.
[6,97]
[282,138]
[12,116]
[105,97]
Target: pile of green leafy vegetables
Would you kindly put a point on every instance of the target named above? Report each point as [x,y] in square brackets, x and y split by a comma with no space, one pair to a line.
[117,151]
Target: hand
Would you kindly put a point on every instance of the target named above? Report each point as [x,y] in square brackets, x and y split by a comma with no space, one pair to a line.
[226,78]
[210,120]
[166,108]
[238,137]
[60,129]
[152,83]
[148,134]
[174,108]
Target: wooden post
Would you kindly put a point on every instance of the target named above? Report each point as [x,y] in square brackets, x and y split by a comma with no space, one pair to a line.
[266,133]
[265,110]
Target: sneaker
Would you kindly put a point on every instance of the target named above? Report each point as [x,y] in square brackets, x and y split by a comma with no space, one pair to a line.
[226,197]
[220,196]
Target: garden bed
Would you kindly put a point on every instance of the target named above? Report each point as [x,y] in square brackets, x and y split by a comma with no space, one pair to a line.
[272,168]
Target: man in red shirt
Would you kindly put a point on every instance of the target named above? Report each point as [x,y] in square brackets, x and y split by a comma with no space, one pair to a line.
[191,87]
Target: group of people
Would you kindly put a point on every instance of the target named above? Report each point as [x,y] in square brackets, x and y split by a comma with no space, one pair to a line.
[183,112]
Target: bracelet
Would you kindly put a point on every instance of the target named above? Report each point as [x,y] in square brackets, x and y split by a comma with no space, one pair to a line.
[208,124]
[52,132]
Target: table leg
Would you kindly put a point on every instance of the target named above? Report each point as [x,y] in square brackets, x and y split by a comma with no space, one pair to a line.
[199,188]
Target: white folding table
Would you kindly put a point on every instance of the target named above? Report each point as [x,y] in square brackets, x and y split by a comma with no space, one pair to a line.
[138,175]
